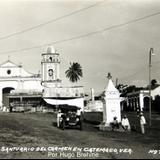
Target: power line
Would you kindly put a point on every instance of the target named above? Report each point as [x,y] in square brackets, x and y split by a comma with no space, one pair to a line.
[51,21]
[144,67]
[86,35]
[132,75]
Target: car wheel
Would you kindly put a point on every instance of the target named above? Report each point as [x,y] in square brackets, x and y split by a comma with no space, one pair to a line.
[60,124]
[81,127]
[63,125]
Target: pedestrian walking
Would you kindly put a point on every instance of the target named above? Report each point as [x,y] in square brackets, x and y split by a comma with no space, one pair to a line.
[59,114]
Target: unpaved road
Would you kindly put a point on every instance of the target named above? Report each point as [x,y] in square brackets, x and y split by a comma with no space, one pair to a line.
[39,130]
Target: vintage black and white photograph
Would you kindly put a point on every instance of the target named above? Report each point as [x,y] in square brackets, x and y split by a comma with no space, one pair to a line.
[79,79]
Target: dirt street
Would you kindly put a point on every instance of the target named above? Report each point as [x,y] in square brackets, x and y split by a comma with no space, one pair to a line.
[30,131]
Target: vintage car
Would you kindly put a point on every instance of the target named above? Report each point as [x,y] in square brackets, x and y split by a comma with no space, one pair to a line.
[69,116]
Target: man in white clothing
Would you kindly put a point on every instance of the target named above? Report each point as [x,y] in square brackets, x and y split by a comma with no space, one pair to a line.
[59,114]
[142,123]
[125,123]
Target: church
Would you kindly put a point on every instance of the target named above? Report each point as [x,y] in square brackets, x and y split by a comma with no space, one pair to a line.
[22,90]
[16,80]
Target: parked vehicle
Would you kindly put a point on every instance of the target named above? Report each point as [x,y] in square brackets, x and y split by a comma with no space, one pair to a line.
[69,116]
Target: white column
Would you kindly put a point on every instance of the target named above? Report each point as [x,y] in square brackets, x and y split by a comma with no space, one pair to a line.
[112,110]
[104,112]
[92,94]
[141,101]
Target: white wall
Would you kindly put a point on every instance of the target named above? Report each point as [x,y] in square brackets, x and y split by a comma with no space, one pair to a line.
[96,106]
[33,85]
[20,85]
[155,92]
[15,72]
[18,78]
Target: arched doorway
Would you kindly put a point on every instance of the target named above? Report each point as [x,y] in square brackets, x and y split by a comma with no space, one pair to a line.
[146,103]
[5,93]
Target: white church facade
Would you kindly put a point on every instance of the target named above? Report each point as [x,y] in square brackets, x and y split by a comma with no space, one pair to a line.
[14,78]
[15,81]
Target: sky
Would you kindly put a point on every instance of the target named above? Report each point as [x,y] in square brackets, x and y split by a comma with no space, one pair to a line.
[123,51]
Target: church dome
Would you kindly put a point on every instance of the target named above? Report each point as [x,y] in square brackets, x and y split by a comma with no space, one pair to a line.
[51,49]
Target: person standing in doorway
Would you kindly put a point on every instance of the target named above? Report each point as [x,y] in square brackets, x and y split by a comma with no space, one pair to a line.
[142,123]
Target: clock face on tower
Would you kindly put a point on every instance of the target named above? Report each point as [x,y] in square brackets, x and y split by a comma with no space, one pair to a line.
[50,72]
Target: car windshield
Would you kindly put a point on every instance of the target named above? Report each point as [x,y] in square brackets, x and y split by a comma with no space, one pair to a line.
[67,108]
[71,113]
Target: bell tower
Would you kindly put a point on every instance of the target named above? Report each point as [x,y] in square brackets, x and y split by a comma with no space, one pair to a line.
[50,68]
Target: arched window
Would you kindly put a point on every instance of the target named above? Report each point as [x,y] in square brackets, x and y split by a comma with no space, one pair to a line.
[50,59]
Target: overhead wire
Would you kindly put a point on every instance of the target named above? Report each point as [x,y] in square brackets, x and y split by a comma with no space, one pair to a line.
[84,35]
[50,21]
[144,67]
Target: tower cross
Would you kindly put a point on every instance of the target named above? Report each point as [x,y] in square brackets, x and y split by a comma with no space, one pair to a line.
[109,76]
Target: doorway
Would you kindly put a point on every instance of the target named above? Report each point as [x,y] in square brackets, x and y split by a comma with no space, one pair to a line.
[5,93]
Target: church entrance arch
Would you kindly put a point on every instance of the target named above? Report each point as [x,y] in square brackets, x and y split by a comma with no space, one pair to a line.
[5,93]
[146,103]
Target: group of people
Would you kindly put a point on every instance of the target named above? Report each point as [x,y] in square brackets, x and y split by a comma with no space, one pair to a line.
[126,125]
[115,124]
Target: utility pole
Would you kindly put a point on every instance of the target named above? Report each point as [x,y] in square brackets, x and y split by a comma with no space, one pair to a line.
[150,100]
[116,82]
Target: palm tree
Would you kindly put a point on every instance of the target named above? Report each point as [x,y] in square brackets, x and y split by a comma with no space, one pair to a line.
[74,72]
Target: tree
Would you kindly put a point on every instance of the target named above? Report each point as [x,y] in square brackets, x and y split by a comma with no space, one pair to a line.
[121,87]
[153,82]
[74,72]
[128,89]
